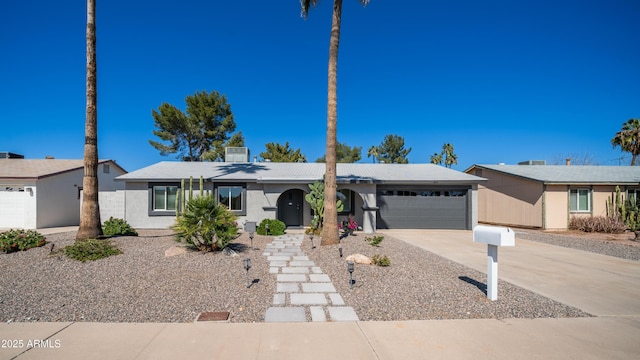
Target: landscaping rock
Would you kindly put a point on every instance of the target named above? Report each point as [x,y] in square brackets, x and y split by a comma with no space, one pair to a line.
[175,250]
[360,259]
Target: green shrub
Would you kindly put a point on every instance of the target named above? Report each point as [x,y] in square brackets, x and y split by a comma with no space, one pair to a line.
[601,224]
[115,226]
[374,241]
[206,225]
[20,240]
[381,260]
[91,250]
[276,227]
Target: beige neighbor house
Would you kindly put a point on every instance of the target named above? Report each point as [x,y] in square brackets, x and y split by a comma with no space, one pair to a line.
[547,196]
[41,193]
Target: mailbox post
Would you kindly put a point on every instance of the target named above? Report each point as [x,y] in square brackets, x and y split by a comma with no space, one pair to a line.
[493,236]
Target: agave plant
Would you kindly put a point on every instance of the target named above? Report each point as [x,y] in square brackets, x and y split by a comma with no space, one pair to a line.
[206,225]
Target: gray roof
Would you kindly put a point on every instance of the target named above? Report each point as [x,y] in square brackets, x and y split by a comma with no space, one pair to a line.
[39,168]
[574,174]
[270,172]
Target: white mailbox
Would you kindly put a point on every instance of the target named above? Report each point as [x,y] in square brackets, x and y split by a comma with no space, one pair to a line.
[493,236]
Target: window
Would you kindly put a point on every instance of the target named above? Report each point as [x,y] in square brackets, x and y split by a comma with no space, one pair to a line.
[231,197]
[164,198]
[579,200]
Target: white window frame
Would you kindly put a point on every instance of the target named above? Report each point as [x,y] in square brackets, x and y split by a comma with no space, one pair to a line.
[577,191]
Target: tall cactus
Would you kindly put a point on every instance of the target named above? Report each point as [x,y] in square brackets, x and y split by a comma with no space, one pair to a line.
[315,198]
[183,198]
[201,185]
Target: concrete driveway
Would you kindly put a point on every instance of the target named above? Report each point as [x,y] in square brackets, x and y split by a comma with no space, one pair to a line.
[598,284]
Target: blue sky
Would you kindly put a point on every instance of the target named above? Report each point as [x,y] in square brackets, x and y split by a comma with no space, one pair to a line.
[503,81]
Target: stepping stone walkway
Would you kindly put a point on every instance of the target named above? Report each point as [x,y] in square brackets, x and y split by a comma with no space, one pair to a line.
[302,290]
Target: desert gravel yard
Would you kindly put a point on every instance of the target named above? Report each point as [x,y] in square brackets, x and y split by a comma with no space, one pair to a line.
[144,285]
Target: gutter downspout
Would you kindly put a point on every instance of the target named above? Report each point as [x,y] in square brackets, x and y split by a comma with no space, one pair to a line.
[544,206]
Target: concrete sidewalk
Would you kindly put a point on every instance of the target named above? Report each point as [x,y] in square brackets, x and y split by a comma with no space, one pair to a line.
[579,338]
[604,286]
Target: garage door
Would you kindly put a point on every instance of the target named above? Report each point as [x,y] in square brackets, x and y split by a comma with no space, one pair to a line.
[422,209]
[12,207]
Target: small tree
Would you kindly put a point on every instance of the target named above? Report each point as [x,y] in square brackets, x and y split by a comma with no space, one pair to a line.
[345,154]
[392,150]
[282,153]
[204,127]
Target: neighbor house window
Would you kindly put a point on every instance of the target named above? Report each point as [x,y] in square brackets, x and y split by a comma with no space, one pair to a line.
[164,198]
[580,200]
[231,197]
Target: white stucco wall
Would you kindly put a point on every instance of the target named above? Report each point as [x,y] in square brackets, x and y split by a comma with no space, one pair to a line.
[58,202]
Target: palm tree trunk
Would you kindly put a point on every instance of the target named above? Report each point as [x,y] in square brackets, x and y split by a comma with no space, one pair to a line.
[330,230]
[90,225]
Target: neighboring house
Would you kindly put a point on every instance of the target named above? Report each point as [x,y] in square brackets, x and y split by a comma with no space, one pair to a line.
[378,195]
[547,196]
[47,192]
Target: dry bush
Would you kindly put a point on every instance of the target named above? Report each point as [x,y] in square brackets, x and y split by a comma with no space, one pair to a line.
[600,224]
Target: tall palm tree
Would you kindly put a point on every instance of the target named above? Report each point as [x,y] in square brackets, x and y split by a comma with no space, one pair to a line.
[90,225]
[330,233]
[628,138]
[450,157]
[373,151]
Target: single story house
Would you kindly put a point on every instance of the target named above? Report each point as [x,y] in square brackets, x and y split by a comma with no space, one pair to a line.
[547,196]
[378,195]
[40,193]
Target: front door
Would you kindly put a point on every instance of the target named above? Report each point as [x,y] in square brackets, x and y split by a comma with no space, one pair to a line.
[290,207]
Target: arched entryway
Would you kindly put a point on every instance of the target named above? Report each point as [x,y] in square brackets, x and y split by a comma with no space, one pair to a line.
[290,207]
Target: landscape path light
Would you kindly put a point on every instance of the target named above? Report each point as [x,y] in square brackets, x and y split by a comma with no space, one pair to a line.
[340,251]
[247,266]
[350,268]
[250,227]
[311,237]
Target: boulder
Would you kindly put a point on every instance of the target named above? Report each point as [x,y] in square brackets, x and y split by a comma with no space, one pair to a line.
[175,250]
[360,259]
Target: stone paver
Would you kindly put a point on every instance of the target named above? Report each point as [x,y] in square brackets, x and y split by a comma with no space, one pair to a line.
[336,299]
[317,313]
[308,299]
[291,278]
[287,287]
[285,314]
[319,278]
[342,313]
[318,287]
[303,290]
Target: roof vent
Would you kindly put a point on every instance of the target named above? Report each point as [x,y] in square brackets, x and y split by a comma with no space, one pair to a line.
[533,162]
